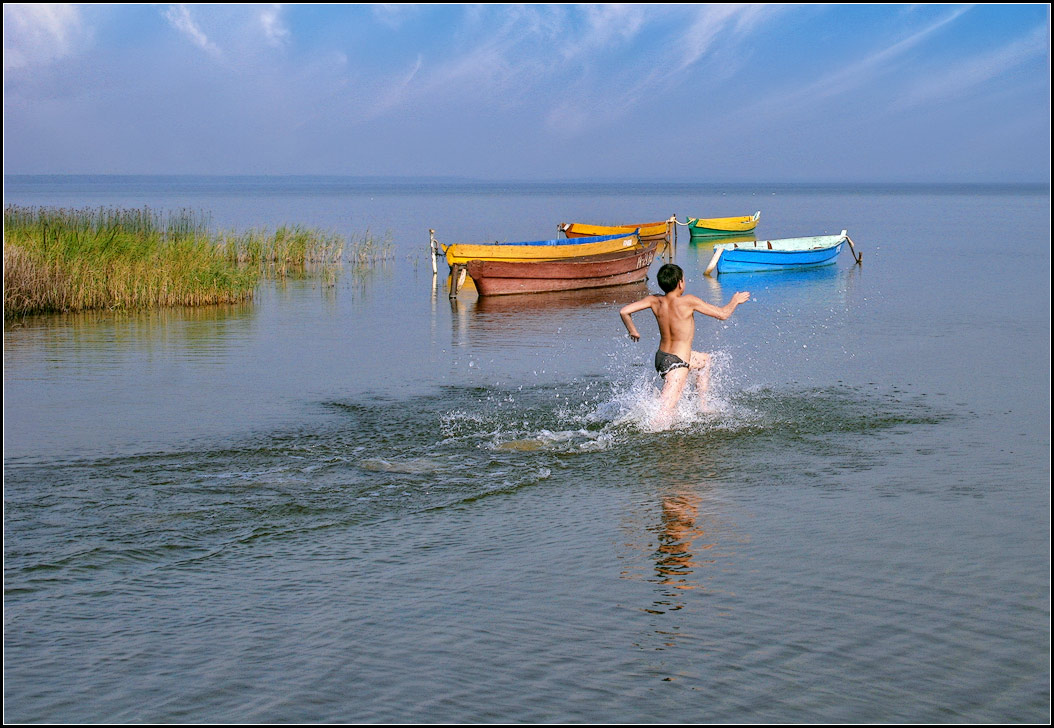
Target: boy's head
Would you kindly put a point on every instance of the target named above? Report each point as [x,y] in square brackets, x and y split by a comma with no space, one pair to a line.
[669,276]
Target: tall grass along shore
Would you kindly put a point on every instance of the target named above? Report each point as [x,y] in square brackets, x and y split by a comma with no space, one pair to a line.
[65,260]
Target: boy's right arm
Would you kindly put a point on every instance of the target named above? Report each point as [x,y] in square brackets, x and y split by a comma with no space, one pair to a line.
[628,310]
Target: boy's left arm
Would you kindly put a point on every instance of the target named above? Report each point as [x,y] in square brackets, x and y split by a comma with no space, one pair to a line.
[720,312]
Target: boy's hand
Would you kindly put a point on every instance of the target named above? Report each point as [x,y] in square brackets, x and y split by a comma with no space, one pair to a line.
[741,297]
[635,337]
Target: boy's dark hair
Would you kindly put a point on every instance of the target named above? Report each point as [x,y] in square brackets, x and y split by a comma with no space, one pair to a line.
[669,276]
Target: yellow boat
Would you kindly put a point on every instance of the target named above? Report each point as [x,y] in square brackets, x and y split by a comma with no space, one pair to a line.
[462,253]
[721,226]
[648,231]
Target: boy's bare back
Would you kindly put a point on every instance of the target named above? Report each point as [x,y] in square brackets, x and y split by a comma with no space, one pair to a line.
[675,314]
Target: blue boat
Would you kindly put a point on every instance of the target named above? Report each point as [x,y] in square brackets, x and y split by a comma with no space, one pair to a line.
[776,255]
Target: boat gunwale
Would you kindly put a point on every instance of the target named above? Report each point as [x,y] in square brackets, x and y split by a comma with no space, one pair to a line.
[461,253]
[551,242]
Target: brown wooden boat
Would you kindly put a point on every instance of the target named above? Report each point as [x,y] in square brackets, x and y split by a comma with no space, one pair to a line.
[498,278]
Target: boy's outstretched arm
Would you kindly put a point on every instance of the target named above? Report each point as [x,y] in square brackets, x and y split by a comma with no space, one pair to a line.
[721,312]
[628,310]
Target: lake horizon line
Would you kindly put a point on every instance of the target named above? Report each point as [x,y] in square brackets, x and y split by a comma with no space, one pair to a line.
[463,182]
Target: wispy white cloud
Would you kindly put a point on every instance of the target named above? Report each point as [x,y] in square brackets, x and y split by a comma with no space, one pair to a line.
[275,31]
[39,33]
[864,71]
[710,23]
[394,92]
[700,32]
[569,118]
[605,27]
[179,17]
[500,63]
[393,14]
[586,51]
[560,57]
[976,71]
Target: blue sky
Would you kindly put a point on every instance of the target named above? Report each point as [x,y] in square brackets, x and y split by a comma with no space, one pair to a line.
[710,93]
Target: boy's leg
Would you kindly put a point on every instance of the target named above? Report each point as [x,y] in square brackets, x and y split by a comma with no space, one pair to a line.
[671,392]
[700,367]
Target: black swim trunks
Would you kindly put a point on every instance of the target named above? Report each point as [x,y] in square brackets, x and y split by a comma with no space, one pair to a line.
[666,363]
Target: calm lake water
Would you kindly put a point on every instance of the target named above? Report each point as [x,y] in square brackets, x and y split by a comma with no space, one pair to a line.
[365,502]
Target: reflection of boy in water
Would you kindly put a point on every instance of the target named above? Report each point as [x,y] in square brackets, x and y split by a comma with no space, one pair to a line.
[675,314]
[675,542]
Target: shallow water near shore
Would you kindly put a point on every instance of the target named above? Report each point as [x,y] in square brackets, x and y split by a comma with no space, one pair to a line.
[367,502]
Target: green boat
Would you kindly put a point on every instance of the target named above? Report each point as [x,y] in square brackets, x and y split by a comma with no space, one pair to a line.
[715,227]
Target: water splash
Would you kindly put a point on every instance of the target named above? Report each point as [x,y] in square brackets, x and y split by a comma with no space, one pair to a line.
[635,403]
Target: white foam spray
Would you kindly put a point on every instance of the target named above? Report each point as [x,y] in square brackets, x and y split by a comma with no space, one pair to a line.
[636,402]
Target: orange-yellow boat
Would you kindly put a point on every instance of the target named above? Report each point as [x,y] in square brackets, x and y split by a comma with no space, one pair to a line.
[648,231]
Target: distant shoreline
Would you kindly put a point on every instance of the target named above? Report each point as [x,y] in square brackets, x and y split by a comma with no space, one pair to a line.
[352,182]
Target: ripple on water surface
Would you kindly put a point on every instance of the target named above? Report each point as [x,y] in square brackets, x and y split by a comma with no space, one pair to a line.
[377,458]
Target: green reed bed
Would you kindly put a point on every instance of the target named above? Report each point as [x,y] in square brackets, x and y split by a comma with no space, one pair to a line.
[287,248]
[60,260]
[367,250]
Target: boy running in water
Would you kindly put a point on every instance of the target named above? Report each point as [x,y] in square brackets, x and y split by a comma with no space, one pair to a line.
[675,314]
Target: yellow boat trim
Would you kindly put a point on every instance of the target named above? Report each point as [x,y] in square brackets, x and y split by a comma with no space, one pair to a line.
[464,252]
